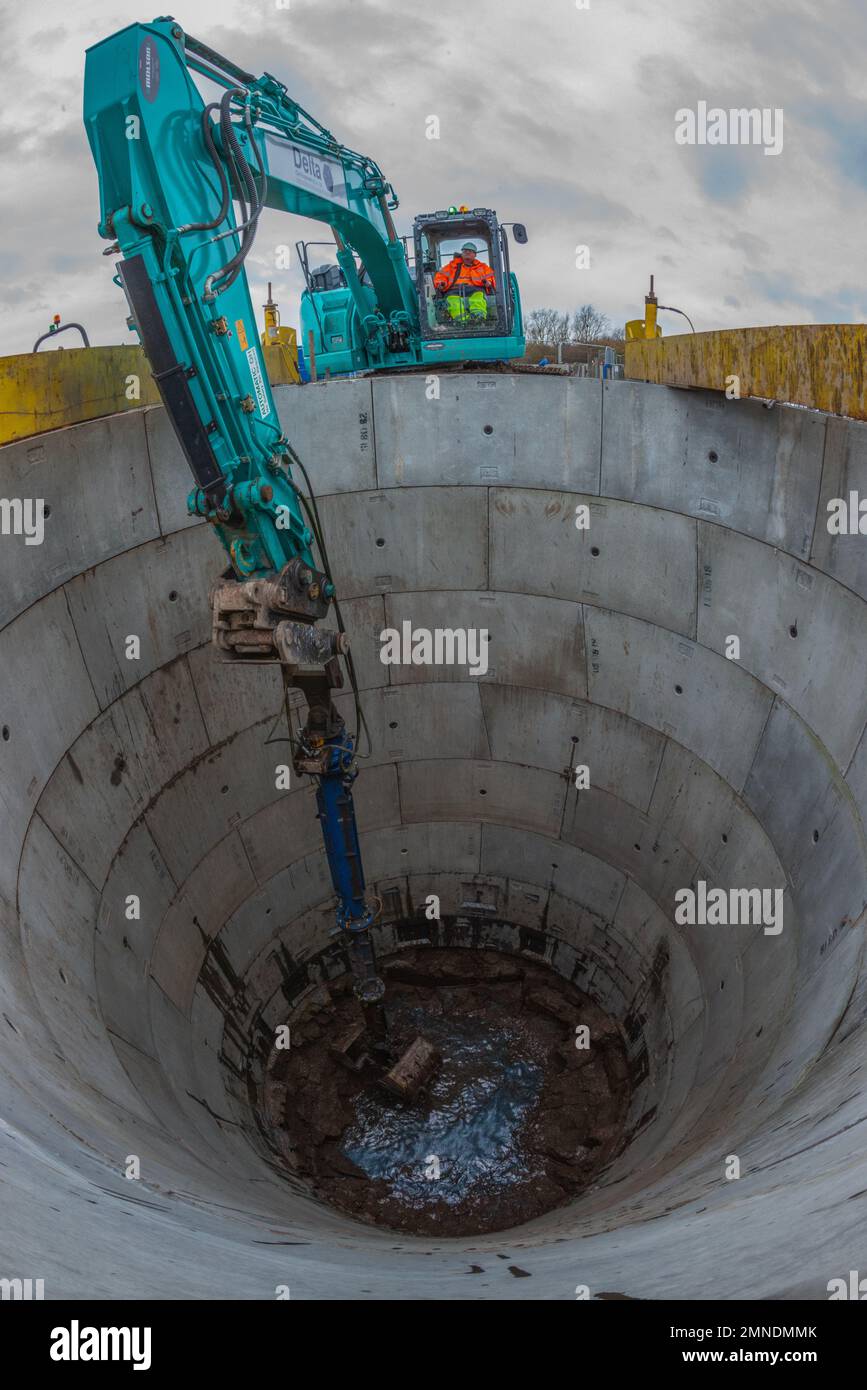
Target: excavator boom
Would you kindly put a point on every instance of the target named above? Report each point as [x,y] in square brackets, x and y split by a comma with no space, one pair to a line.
[171,170]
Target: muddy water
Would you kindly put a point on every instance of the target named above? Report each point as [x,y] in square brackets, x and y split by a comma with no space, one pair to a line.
[515,1122]
[464,1140]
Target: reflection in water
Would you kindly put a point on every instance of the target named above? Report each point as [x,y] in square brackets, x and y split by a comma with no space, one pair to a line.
[471,1120]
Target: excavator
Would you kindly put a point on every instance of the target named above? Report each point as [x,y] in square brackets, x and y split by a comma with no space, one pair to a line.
[335,327]
[172,168]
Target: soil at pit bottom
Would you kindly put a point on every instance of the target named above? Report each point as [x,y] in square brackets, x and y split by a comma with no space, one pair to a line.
[517,1119]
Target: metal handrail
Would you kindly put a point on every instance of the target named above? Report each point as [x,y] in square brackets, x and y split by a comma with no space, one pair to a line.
[53,332]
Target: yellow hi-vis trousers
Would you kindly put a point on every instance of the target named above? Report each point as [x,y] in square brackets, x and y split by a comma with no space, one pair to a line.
[473,306]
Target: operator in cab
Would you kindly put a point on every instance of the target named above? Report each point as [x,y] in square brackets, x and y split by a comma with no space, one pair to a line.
[463,283]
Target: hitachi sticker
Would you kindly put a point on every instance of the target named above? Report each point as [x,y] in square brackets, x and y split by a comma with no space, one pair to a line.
[258,383]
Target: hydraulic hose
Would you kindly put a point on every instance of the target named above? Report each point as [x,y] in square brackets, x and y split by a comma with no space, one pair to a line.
[245,185]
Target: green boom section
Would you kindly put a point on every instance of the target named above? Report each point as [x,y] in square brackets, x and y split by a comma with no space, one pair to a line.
[163,205]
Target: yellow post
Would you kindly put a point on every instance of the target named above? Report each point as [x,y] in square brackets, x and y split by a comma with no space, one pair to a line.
[646,327]
[279,346]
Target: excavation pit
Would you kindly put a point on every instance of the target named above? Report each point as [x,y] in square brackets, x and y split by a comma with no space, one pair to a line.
[526,1108]
[167,906]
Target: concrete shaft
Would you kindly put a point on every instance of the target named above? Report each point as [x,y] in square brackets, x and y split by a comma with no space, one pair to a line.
[150,777]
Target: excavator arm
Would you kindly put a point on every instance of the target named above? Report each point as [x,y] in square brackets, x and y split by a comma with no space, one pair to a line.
[171,169]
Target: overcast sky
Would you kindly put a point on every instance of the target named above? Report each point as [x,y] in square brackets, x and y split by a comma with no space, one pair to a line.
[560,117]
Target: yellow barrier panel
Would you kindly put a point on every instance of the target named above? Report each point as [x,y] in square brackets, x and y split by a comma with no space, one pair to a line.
[46,390]
[281,359]
[42,391]
[816,365]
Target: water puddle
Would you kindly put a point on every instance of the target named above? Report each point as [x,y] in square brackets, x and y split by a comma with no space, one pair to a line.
[463,1140]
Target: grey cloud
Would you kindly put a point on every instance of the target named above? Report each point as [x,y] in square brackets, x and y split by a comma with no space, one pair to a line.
[565,122]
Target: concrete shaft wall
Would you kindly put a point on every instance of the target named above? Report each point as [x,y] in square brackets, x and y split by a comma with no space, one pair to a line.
[150,777]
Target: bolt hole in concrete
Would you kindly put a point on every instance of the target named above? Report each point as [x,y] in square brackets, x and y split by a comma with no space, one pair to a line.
[489,429]
[173,596]
[6,733]
[713,456]
[524,1112]
[380,542]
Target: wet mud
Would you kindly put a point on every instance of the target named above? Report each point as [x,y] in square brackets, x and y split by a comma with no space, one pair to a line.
[517,1119]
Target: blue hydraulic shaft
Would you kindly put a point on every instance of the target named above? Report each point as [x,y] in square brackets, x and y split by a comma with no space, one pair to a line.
[336,812]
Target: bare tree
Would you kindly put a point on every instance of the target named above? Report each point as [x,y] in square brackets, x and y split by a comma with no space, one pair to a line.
[547,326]
[537,325]
[588,325]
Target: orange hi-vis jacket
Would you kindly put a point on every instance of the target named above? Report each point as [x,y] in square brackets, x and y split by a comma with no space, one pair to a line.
[479,275]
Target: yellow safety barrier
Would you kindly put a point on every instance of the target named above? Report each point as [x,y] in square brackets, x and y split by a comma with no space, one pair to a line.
[816,365]
[42,391]
[46,390]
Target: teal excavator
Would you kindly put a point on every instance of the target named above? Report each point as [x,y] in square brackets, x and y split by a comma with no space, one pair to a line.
[182,183]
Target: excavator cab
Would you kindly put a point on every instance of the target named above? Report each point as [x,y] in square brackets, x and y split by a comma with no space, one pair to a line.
[467,322]
[464,325]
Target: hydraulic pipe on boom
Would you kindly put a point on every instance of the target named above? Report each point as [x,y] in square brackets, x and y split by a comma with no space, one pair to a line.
[170,170]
